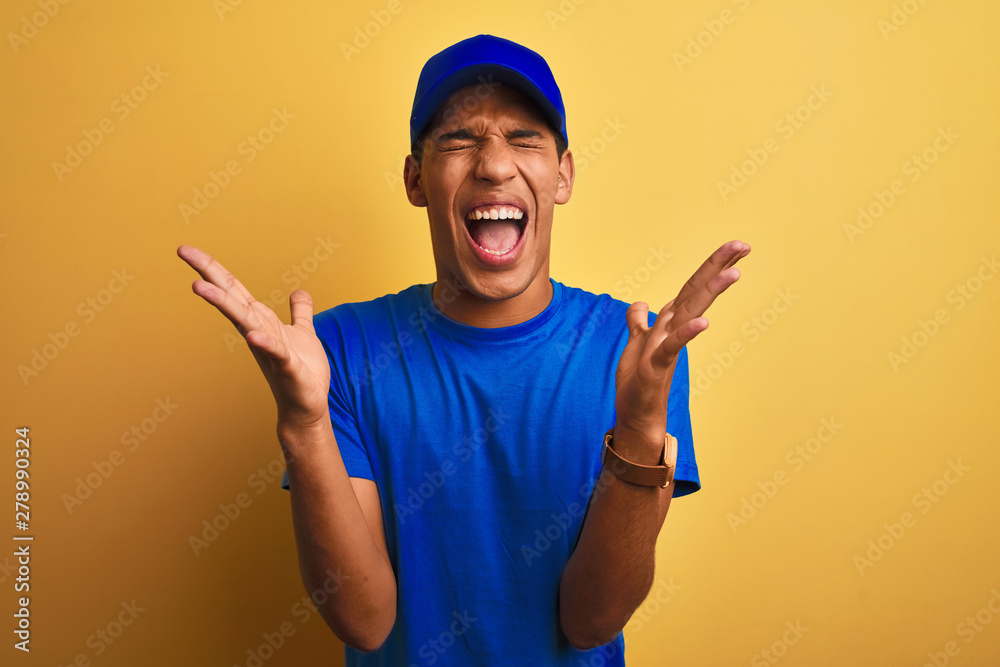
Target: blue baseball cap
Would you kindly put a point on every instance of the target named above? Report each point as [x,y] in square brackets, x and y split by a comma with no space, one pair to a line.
[483,59]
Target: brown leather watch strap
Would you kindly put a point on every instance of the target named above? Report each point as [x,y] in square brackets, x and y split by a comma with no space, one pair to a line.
[658,475]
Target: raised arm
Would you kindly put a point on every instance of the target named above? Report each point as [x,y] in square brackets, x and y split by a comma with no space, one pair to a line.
[611,570]
[337,519]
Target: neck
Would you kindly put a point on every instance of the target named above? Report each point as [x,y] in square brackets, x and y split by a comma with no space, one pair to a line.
[461,305]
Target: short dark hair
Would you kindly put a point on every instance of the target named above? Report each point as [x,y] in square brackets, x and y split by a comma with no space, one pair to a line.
[417,147]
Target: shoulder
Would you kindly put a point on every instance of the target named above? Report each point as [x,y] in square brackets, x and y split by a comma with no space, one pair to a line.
[578,301]
[374,313]
[588,311]
[609,303]
[599,308]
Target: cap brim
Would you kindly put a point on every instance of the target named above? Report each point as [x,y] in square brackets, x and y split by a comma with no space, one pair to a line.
[486,77]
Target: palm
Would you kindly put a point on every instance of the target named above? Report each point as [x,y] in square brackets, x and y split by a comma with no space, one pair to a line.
[298,367]
[646,367]
[291,356]
[640,385]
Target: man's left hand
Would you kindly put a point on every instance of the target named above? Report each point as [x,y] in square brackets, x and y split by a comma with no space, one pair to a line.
[646,367]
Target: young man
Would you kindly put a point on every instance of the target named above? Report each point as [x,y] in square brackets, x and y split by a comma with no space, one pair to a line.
[453,470]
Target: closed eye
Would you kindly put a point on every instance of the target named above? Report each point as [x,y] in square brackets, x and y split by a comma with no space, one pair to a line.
[452,149]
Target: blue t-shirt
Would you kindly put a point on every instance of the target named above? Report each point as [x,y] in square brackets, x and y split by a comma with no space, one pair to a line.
[485,445]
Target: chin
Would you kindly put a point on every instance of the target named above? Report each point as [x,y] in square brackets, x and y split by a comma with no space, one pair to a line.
[495,285]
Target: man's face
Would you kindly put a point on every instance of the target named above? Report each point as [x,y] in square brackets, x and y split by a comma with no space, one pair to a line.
[490,155]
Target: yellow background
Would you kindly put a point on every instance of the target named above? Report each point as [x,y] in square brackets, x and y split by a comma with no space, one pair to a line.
[332,172]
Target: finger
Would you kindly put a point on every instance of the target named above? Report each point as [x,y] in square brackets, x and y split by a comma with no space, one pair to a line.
[260,341]
[221,288]
[212,271]
[671,346]
[637,318]
[237,311]
[726,256]
[300,304]
[711,279]
[699,302]
[636,321]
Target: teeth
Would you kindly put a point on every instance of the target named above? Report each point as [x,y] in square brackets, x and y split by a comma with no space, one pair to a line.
[496,213]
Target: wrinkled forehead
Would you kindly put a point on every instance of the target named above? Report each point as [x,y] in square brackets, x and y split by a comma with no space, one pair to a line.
[474,107]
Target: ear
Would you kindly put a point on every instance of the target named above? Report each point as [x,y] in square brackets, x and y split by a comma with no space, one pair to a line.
[413,182]
[567,173]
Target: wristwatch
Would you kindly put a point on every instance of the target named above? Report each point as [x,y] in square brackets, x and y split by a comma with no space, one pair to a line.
[659,475]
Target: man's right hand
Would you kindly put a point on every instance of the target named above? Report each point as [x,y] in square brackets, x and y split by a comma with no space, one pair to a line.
[290,355]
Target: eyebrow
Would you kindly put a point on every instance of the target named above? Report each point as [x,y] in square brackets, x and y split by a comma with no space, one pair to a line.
[520,133]
[524,133]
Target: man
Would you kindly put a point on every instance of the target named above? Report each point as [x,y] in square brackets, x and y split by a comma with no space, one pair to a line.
[454,470]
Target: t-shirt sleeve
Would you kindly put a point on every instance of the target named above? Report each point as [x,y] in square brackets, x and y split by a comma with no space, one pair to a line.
[340,347]
[679,425]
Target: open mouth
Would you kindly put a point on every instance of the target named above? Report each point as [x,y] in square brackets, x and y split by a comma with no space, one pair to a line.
[496,228]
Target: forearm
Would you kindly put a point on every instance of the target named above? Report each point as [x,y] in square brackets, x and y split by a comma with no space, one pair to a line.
[334,541]
[611,570]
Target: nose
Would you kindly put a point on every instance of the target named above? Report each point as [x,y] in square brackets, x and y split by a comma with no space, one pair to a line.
[495,162]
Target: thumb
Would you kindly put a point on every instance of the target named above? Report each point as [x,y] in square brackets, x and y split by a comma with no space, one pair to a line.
[637,318]
[300,304]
